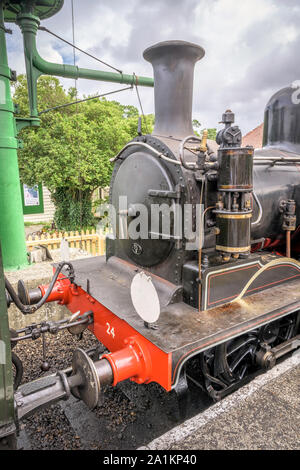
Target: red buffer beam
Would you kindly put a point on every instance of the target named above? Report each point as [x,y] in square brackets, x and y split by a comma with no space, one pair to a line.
[132,356]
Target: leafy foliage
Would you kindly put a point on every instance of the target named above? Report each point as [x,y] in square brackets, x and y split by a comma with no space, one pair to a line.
[73,209]
[211,132]
[71,150]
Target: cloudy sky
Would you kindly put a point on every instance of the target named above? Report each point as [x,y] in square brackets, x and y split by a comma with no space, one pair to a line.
[252,48]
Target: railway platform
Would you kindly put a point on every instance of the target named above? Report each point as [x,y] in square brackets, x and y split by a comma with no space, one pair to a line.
[263,415]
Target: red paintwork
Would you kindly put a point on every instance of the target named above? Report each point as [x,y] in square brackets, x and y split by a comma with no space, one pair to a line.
[62,290]
[132,356]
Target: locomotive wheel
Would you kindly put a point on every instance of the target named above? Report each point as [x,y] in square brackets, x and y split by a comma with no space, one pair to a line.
[235,359]
[228,365]
[285,328]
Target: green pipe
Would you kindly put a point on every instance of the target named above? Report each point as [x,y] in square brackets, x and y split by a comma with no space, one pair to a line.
[12,234]
[36,65]
[6,376]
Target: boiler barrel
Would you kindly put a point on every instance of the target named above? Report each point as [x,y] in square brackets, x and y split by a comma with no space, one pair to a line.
[273,184]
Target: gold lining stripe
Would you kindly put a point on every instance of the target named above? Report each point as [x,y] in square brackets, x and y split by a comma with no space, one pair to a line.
[235,186]
[234,216]
[231,249]
[274,262]
[238,151]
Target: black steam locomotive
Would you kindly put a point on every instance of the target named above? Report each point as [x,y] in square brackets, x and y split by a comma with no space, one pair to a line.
[211,288]
[249,222]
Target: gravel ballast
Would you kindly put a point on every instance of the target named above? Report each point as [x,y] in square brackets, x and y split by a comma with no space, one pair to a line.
[50,428]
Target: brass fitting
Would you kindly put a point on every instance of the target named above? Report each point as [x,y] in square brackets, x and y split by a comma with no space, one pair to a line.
[203,145]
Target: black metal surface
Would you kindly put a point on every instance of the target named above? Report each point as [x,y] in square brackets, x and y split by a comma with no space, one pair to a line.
[28,309]
[231,362]
[169,266]
[222,283]
[273,184]
[282,120]
[181,328]
[173,65]
[234,234]
[230,136]
[143,251]
[26,297]
[115,276]
[236,165]
[235,185]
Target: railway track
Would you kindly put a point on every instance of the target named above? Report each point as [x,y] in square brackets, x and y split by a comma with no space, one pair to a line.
[122,421]
[129,416]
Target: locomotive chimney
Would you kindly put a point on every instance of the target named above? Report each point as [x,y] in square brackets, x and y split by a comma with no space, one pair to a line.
[173,64]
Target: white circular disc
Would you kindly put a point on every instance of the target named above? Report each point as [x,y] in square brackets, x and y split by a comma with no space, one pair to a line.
[144,297]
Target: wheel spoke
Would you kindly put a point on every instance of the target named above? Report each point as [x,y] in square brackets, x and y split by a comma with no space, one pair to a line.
[224,366]
[242,373]
[239,359]
[239,344]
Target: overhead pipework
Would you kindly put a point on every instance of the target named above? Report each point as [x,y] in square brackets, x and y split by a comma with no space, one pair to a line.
[29,22]
[42,8]
[27,14]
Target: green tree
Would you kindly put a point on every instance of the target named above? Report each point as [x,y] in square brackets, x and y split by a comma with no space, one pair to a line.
[70,153]
[196,126]
[211,132]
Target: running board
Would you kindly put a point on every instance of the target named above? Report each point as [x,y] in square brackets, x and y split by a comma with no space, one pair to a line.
[182,331]
[216,326]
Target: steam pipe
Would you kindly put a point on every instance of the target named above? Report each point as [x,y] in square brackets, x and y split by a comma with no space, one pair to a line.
[148,147]
[288,243]
[260,213]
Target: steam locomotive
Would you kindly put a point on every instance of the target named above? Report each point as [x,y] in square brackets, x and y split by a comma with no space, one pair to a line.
[214,303]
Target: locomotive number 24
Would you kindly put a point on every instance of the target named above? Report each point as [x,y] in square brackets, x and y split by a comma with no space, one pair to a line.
[110,330]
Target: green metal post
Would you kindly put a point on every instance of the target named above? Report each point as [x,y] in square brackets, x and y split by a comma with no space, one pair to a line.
[7,427]
[11,215]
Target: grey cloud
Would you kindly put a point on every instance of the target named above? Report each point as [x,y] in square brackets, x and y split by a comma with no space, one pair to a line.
[243,77]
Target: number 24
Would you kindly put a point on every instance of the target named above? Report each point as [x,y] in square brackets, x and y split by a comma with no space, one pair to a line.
[110,331]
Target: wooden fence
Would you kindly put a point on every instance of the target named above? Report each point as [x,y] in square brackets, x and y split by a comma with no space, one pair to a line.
[91,241]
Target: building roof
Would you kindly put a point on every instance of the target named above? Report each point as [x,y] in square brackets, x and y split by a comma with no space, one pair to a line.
[254,137]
